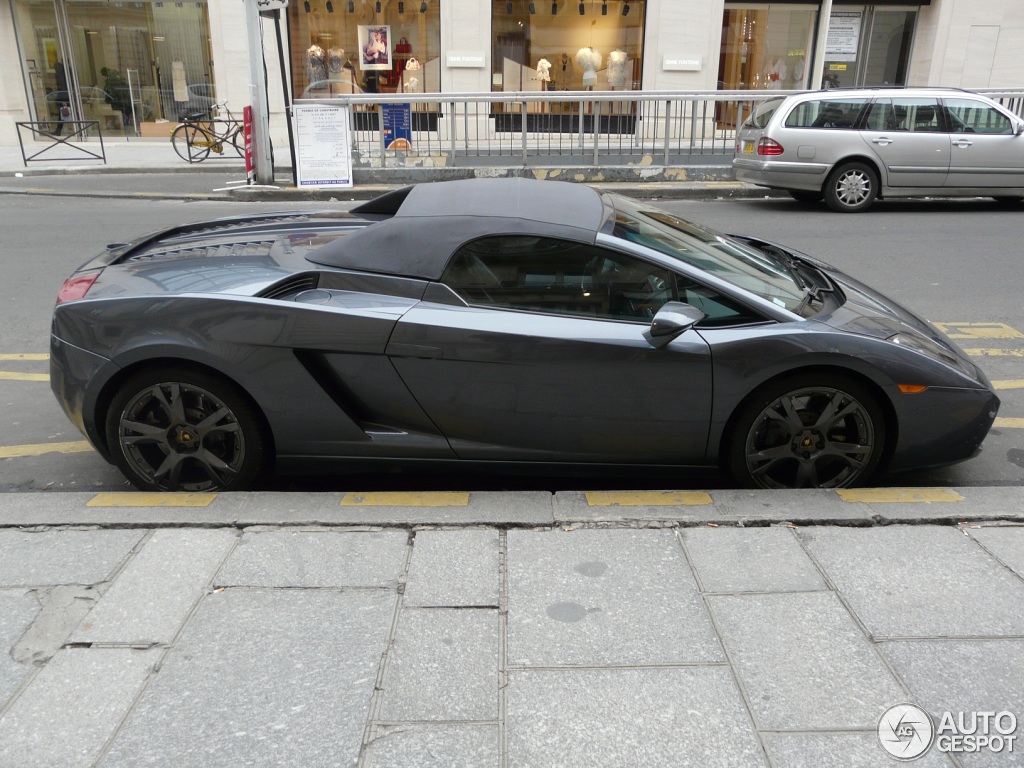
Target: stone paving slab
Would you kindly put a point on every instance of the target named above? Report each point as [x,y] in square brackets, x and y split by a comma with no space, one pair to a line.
[750,560]
[434,746]
[18,609]
[803,662]
[32,558]
[1006,542]
[593,597]
[295,558]
[285,675]
[848,750]
[453,568]
[153,595]
[920,581]
[642,717]
[443,666]
[66,715]
[73,508]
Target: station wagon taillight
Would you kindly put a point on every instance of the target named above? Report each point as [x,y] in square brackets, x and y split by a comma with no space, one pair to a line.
[766,146]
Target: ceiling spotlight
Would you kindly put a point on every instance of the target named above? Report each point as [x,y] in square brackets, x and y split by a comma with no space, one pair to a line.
[423,6]
[508,7]
[533,8]
[330,6]
[583,9]
[401,6]
[378,6]
[554,9]
[604,9]
[351,6]
[306,6]
[625,9]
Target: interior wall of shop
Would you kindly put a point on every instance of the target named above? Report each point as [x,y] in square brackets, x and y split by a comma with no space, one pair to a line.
[969,44]
[13,101]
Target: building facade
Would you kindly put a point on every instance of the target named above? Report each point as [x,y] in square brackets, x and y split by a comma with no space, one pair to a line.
[137,65]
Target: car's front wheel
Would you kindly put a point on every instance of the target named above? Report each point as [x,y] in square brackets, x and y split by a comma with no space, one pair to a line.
[851,187]
[180,429]
[813,431]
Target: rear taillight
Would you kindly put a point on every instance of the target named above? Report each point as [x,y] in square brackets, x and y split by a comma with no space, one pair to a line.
[766,146]
[76,287]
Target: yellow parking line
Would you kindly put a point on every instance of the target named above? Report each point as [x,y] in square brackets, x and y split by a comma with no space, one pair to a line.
[980,331]
[898,495]
[1008,384]
[406,499]
[20,451]
[24,356]
[647,498]
[151,500]
[983,352]
[12,376]
[1009,423]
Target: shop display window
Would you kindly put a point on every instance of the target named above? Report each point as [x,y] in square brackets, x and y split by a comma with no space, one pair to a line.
[365,46]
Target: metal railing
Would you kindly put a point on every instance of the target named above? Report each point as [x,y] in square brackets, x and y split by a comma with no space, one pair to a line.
[73,142]
[561,128]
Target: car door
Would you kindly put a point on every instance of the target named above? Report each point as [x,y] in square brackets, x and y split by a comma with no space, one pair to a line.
[907,136]
[548,361]
[986,150]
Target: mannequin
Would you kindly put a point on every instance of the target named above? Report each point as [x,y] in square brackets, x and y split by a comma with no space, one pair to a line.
[617,69]
[775,74]
[589,61]
[564,72]
[335,62]
[316,64]
[544,73]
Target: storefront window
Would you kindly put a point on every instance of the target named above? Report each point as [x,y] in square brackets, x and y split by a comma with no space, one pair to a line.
[128,65]
[567,45]
[365,46]
[766,47]
[868,47]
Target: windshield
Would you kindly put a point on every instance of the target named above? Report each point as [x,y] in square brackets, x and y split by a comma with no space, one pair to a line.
[760,273]
[762,114]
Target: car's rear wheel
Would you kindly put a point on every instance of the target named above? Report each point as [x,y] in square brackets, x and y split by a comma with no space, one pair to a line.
[804,196]
[181,429]
[851,187]
[812,431]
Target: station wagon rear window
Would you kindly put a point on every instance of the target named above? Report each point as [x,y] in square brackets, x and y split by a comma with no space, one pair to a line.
[831,113]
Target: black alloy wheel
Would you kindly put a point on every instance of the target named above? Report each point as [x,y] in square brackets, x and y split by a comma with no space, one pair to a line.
[185,430]
[824,431]
[851,187]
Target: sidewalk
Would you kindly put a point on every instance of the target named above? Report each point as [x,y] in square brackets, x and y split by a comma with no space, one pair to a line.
[728,628]
[149,169]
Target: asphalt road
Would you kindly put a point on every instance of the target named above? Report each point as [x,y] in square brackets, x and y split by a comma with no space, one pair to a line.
[956,263]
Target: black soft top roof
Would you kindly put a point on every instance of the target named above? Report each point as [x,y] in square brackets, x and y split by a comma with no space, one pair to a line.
[427,222]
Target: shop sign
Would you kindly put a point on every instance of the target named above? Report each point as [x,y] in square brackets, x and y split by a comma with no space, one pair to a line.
[323,148]
[467,59]
[682,64]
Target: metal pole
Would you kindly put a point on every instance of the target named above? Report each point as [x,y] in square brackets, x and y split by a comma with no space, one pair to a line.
[287,101]
[264,170]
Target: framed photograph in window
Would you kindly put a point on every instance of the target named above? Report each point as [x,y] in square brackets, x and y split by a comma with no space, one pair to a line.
[374,47]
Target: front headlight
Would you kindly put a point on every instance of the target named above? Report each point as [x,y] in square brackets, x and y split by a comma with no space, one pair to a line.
[934,350]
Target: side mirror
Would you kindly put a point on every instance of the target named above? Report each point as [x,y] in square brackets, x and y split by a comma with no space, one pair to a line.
[673,319]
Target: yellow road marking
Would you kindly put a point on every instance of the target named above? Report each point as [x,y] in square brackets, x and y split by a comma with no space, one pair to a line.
[647,498]
[983,352]
[1009,423]
[20,451]
[898,495]
[406,499]
[12,376]
[24,356]
[980,331]
[151,500]
[1008,384]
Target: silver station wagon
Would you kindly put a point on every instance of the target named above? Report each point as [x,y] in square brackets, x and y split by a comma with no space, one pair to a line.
[852,147]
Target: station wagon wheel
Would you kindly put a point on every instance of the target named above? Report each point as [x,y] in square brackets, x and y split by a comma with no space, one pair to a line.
[185,430]
[807,432]
[851,187]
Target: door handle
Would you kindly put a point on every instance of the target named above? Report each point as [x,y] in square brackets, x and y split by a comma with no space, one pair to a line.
[883,140]
[962,143]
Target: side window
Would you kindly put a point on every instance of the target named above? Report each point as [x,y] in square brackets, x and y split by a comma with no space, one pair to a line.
[718,310]
[917,115]
[560,277]
[970,116]
[826,113]
[881,116]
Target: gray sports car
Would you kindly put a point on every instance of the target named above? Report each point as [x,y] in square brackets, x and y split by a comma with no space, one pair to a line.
[496,322]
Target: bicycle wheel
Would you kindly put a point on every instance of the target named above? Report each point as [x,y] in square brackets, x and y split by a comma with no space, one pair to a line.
[191,143]
[237,140]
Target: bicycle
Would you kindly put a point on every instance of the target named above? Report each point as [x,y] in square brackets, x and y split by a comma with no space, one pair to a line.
[198,134]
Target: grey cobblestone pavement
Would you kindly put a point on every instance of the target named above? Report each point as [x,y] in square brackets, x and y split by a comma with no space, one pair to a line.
[502,629]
